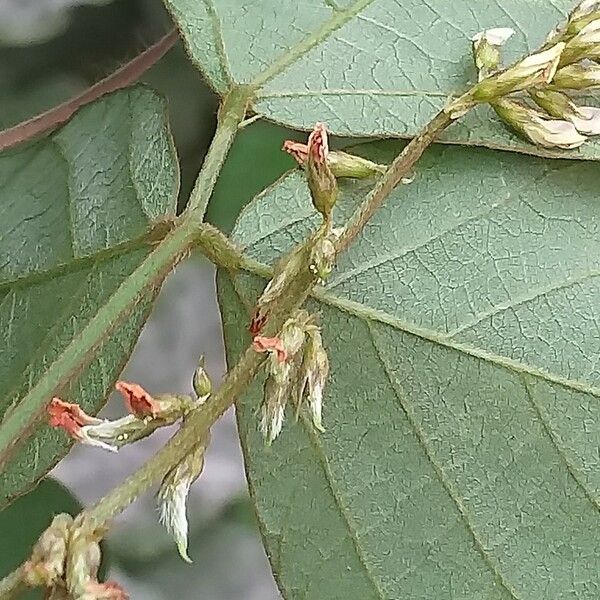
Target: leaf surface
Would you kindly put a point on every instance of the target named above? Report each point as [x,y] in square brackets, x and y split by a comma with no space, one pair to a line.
[79,211]
[364,67]
[460,458]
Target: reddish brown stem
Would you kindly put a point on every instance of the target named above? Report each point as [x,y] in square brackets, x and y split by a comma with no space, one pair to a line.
[60,114]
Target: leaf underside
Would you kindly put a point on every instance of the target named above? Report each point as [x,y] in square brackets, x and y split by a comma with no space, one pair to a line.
[463,408]
[367,67]
[79,211]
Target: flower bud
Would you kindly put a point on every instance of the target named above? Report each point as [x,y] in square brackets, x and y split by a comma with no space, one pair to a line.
[69,417]
[173,493]
[321,181]
[322,257]
[581,16]
[166,407]
[201,382]
[486,49]
[585,118]
[47,563]
[533,70]
[532,124]
[577,77]
[110,590]
[586,44]
[341,164]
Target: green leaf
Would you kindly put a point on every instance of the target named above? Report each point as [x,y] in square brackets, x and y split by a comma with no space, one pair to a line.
[81,209]
[462,414]
[22,523]
[366,68]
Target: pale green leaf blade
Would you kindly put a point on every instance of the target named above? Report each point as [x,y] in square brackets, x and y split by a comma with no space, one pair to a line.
[462,414]
[79,211]
[368,67]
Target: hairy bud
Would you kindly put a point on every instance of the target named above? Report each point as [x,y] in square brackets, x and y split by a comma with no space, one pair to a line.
[314,372]
[201,382]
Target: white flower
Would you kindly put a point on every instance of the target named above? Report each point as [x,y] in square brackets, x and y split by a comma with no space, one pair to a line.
[587,120]
[496,36]
[553,133]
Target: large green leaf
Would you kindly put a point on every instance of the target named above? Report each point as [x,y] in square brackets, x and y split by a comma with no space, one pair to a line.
[367,67]
[460,458]
[79,211]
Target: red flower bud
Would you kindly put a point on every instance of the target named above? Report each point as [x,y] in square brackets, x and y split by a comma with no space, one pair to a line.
[267,344]
[137,400]
[69,417]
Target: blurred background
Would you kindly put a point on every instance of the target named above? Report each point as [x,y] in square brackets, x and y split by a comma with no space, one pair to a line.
[49,51]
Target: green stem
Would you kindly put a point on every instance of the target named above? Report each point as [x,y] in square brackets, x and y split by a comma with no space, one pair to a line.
[231,114]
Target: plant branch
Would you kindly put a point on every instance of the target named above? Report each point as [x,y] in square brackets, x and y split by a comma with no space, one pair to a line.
[231,114]
[400,168]
[60,114]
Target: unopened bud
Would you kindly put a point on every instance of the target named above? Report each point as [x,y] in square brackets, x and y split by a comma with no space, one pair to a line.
[341,163]
[577,77]
[321,180]
[173,493]
[83,562]
[322,257]
[47,563]
[585,118]
[486,49]
[586,44]
[533,70]
[201,382]
[532,124]
[582,15]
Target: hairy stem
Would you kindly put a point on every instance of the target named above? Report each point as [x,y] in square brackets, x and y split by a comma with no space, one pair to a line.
[231,114]
[400,168]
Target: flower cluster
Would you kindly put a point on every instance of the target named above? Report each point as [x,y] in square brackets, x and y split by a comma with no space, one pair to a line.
[146,414]
[548,116]
[297,368]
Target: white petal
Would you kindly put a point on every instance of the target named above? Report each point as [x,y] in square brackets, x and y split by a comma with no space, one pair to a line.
[589,120]
[496,36]
[172,514]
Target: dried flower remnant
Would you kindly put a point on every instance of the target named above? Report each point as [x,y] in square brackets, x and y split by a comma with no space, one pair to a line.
[173,493]
[104,591]
[137,400]
[69,417]
[321,180]
[270,344]
[486,49]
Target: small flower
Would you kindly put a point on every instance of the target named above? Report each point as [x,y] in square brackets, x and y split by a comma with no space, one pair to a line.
[112,435]
[321,181]
[270,344]
[585,118]
[173,493]
[137,400]
[486,49]
[533,70]
[201,382]
[577,77]
[69,417]
[532,124]
[341,164]
[110,590]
